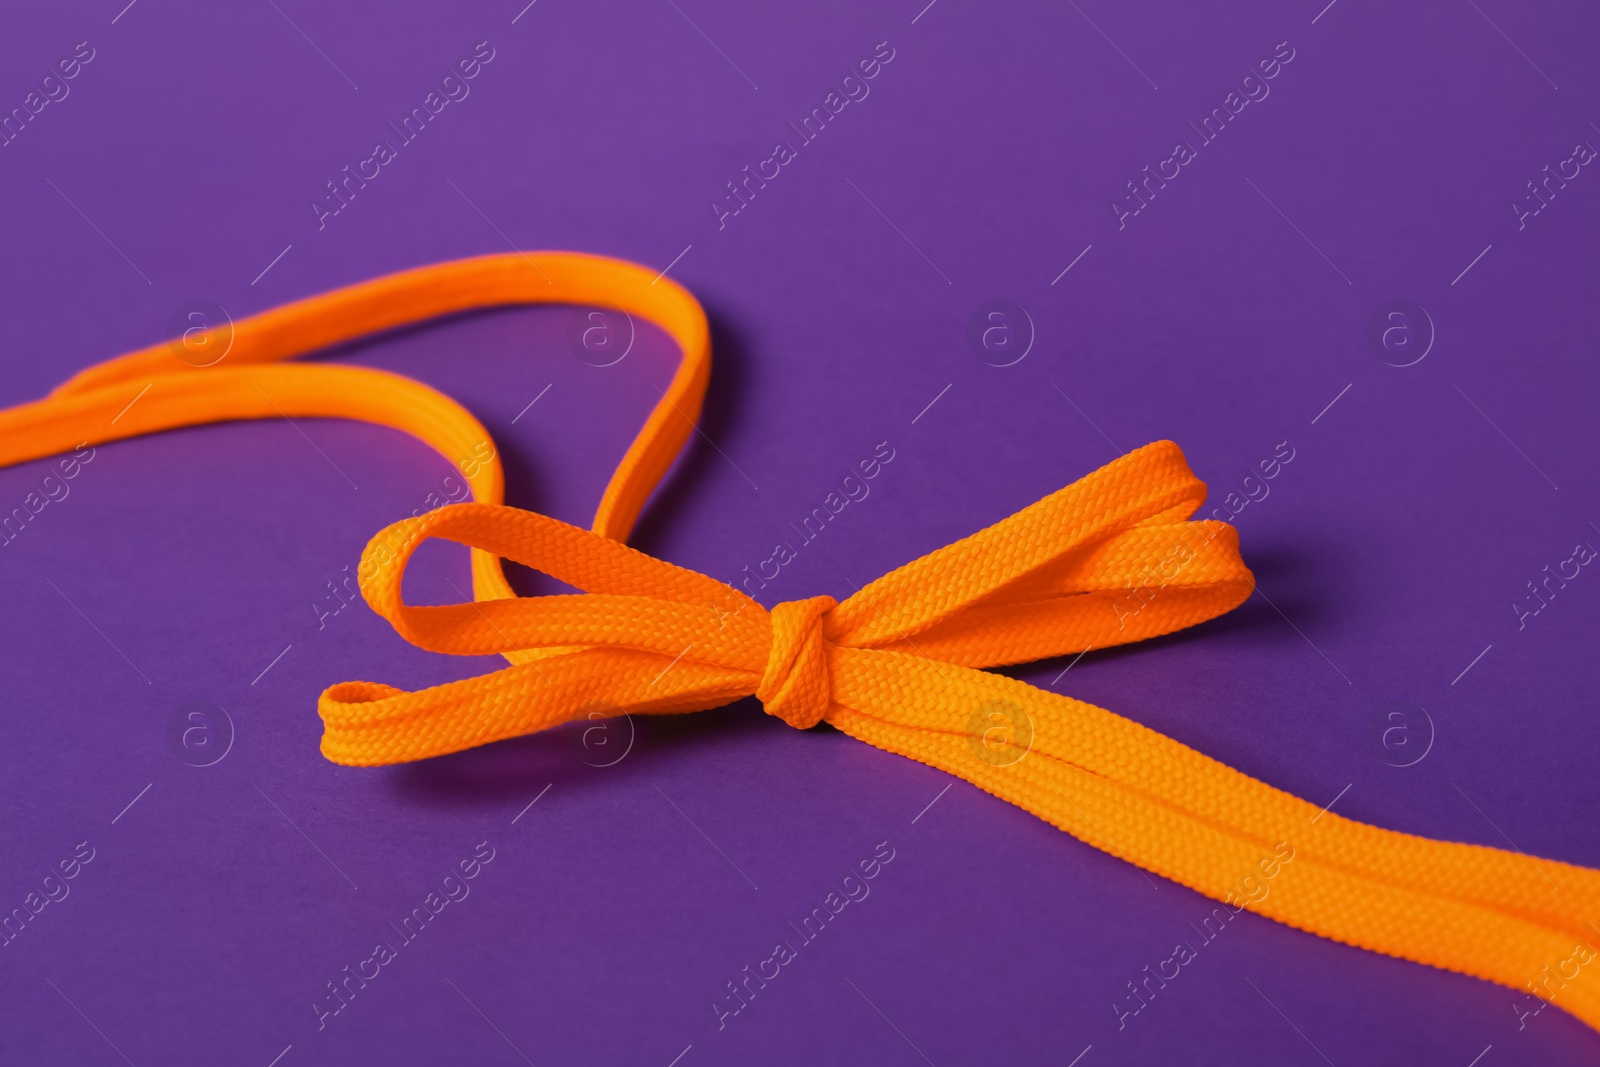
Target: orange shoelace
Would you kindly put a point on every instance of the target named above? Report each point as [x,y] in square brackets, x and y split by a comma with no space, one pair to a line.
[897,665]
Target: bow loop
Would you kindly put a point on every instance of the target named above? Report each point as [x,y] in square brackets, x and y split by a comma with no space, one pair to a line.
[796,685]
[1107,560]
[1149,486]
[634,600]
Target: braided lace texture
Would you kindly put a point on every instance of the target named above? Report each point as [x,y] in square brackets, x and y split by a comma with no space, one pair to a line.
[898,665]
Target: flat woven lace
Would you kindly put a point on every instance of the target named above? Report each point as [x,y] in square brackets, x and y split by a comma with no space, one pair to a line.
[898,665]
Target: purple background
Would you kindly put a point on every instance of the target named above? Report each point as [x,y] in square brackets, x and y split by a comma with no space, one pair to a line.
[184,160]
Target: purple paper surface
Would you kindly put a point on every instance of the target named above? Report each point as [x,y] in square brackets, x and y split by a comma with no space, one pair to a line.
[1378,261]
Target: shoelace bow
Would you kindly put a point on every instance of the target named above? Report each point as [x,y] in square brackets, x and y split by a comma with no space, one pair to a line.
[897,665]
[649,637]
